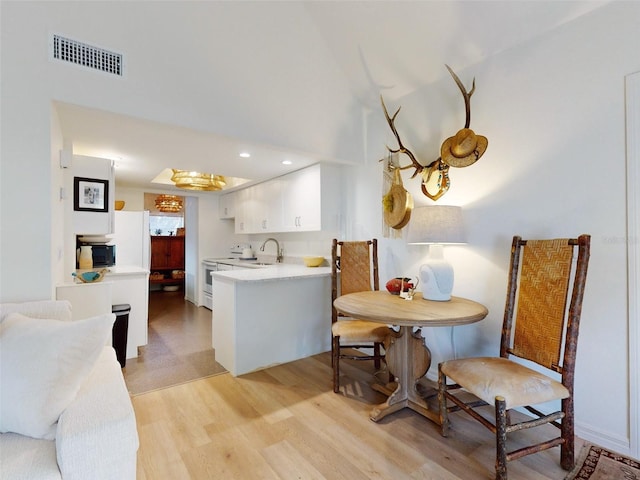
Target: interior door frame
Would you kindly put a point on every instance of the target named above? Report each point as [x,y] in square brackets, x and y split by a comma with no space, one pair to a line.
[191,221]
[632,94]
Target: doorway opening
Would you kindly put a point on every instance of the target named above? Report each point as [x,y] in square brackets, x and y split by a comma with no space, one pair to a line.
[179,346]
[166,226]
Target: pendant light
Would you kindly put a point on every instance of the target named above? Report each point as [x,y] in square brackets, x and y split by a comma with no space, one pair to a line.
[169,203]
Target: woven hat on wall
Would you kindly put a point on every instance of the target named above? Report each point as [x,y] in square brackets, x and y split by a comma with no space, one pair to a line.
[463,149]
[397,204]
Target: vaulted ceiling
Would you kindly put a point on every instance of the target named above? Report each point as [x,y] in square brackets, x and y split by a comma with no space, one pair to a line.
[283,80]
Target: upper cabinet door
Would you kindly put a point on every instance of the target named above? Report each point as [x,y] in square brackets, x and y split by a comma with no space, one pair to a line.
[292,203]
[226,205]
[242,209]
[267,206]
[302,200]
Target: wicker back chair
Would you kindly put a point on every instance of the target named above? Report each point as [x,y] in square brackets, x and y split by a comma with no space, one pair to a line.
[357,263]
[541,320]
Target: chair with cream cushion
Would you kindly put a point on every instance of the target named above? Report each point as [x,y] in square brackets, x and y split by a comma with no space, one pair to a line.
[357,265]
[541,320]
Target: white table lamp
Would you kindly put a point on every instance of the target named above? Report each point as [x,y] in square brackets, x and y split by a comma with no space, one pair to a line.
[435,226]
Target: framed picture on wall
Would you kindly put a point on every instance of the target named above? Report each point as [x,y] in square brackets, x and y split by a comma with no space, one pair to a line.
[90,194]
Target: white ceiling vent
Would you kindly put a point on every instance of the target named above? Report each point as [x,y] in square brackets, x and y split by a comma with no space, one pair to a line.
[85,55]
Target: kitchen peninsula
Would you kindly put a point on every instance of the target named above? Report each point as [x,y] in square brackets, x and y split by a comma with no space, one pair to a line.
[270,315]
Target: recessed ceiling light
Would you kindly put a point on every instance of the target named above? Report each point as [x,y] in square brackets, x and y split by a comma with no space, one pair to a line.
[245,154]
[287,162]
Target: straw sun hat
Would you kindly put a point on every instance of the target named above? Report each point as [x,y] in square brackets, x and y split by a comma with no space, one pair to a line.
[397,204]
[463,149]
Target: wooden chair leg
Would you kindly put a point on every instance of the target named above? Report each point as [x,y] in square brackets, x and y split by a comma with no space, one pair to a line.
[335,360]
[567,449]
[333,351]
[442,403]
[501,439]
[376,353]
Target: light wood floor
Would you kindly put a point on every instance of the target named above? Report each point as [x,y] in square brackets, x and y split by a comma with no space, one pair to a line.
[286,423]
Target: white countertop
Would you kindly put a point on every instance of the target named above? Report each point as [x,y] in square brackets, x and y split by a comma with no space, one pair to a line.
[125,270]
[235,261]
[114,271]
[278,271]
[117,270]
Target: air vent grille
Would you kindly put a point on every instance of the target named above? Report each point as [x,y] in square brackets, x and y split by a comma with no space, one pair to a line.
[85,55]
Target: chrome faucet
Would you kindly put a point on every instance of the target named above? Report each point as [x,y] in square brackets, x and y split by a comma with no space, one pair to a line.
[279,252]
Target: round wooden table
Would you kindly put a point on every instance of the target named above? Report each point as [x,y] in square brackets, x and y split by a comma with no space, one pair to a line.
[407,355]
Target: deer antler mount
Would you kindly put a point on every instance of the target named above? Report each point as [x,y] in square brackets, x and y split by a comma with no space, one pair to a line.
[461,150]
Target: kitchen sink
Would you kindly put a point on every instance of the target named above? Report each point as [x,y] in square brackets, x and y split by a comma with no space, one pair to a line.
[262,264]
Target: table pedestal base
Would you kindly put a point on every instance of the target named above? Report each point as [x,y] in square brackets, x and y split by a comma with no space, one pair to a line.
[408,359]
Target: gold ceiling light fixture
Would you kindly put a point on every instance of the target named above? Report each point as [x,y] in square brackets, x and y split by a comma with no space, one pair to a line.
[169,203]
[198,181]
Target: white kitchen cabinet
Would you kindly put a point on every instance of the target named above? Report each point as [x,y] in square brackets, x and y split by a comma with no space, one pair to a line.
[297,202]
[130,285]
[302,200]
[259,208]
[122,285]
[226,205]
[87,299]
[259,324]
[266,209]
[242,209]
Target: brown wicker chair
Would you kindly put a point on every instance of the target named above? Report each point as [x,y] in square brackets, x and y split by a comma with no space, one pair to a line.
[357,263]
[536,322]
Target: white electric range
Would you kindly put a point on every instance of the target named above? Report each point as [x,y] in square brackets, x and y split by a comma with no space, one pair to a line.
[219,264]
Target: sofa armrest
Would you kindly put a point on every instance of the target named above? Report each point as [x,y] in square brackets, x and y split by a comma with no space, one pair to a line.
[96,436]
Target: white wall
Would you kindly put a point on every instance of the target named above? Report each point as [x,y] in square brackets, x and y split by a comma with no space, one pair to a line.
[553,111]
[25,153]
[633,248]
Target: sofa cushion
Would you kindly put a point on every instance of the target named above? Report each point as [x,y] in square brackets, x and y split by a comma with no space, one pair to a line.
[56,309]
[26,458]
[44,363]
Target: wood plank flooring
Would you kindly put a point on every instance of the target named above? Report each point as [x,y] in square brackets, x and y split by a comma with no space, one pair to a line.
[179,345]
[286,423]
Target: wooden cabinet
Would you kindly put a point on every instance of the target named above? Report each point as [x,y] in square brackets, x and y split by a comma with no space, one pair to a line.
[167,254]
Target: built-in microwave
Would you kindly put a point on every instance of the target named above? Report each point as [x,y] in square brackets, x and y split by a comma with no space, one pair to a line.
[103,255]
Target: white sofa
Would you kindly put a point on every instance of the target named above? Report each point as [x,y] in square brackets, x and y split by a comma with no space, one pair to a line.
[95,435]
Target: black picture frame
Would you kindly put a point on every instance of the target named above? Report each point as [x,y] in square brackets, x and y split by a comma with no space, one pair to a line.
[90,194]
